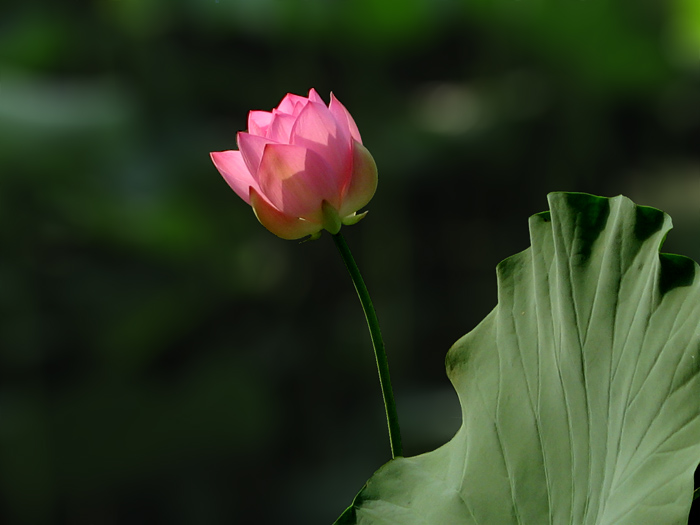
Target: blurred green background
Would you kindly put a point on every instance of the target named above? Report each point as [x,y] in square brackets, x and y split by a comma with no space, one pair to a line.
[165,359]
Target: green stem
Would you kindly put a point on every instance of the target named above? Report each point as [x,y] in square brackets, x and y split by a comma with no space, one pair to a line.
[379,353]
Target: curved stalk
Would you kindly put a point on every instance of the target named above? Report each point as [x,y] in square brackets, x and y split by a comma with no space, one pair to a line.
[378,344]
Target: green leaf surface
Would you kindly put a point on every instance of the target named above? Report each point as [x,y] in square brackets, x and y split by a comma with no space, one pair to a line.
[580,391]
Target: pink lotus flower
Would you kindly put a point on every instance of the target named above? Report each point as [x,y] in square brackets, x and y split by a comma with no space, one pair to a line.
[302,167]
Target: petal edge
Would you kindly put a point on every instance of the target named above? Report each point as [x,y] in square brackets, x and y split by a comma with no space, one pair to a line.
[283,225]
[234,171]
[363,183]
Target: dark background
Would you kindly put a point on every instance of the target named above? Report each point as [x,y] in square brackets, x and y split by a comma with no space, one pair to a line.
[165,359]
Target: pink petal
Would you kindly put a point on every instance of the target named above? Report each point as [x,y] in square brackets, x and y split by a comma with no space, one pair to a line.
[231,166]
[259,122]
[315,97]
[281,127]
[291,104]
[363,183]
[251,146]
[317,130]
[296,180]
[343,116]
[279,223]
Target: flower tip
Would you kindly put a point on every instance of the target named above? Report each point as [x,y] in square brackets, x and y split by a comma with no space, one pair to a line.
[315,97]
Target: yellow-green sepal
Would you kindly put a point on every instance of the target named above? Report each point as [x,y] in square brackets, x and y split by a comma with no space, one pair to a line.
[331,219]
[353,219]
